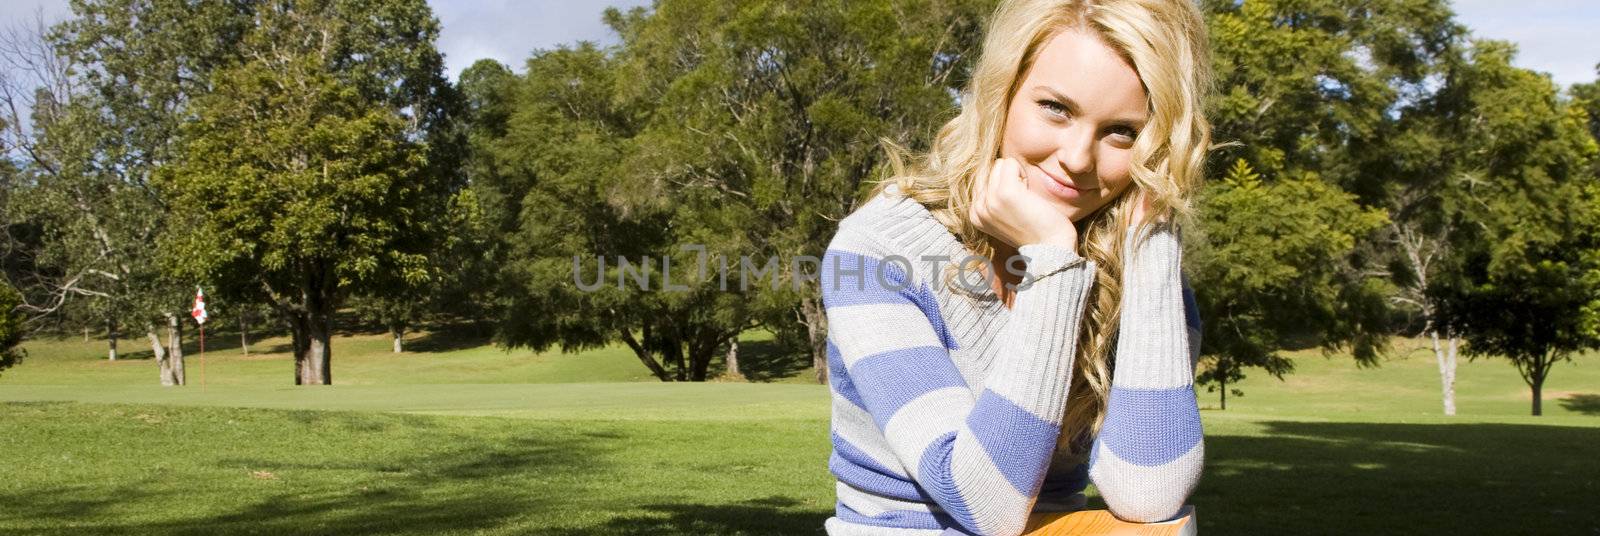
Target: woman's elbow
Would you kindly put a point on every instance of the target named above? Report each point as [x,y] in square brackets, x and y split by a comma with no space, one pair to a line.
[1157,506]
[1144,494]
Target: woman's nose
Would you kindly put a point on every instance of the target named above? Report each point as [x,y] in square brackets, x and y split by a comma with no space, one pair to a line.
[1076,150]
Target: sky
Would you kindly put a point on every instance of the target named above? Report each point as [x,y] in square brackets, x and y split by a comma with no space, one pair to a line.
[1553,36]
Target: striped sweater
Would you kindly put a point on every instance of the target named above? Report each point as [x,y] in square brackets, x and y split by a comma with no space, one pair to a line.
[947,404]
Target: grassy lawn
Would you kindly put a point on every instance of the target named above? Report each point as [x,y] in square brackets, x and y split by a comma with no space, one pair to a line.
[459,437]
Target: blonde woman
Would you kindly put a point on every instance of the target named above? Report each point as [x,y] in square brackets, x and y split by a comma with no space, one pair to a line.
[1007,318]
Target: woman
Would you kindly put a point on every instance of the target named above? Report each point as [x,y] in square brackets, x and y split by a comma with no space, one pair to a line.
[1007,319]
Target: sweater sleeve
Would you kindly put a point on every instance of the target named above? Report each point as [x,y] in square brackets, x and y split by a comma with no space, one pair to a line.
[1148,455]
[981,457]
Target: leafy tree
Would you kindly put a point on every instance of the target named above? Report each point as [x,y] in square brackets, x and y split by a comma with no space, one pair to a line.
[1307,92]
[748,129]
[547,173]
[765,121]
[1270,256]
[317,165]
[459,269]
[112,81]
[1527,285]
[10,327]
[1586,97]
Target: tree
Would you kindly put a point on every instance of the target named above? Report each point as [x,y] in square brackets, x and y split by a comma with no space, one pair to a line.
[564,133]
[10,327]
[317,165]
[1306,93]
[1416,172]
[1527,287]
[766,118]
[396,310]
[1270,257]
[744,129]
[1586,97]
[109,86]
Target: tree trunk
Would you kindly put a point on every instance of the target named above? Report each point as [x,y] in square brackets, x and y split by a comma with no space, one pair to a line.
[314,369]
[244,333]
[1538,398]
[674,353]
[1224,390]
[702,348]
[111,339]
[732,359]
[644,356]
[1447,369]
[816,320]
[158,350]
[699,364]
[398,333]
[299,332]
[173,373]
[1535,374]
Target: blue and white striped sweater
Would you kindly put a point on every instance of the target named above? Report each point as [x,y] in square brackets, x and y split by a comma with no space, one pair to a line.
[947,406]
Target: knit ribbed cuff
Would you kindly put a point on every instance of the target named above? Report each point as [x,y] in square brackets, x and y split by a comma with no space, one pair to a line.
[1152,347]
[1047,259]
[1035,367]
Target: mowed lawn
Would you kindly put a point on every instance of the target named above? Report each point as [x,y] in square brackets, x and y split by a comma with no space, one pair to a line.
[460,437]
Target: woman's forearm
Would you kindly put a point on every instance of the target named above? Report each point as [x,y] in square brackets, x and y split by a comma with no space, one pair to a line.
[1148,455]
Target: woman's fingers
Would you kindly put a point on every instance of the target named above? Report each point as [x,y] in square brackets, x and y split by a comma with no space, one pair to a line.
[999,199]
[1004,208]
[1012,181]
[1005,185]
[976,212]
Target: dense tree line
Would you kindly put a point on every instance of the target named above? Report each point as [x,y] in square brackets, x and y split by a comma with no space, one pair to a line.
[1383,173]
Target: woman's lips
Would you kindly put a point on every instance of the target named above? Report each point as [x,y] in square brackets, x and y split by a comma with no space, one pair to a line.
[1062,188]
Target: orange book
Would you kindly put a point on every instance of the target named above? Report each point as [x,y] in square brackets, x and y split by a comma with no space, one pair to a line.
[1102,523]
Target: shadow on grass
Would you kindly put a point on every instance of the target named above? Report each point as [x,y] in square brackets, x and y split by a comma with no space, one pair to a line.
[347,473]
[764,361]
[279,348]
[449,338]
[1586,404]
[191,347]
[1308,478]
[320,478]
[770,515]
[309,472]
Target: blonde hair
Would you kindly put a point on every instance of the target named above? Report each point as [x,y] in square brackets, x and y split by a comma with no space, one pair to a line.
[1165,42]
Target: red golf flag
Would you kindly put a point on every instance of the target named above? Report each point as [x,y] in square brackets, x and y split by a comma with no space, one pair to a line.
[199,311]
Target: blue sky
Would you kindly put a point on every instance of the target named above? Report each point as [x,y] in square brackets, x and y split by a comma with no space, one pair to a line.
[1555,36]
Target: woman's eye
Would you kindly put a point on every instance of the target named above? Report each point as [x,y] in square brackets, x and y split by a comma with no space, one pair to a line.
[1053,107]
[1125,131]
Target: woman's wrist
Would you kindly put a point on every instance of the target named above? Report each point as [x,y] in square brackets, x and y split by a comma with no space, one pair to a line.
[1045,258]
[1068,242]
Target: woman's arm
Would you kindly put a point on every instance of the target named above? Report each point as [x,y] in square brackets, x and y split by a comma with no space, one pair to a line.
[981,458]
[1148,455]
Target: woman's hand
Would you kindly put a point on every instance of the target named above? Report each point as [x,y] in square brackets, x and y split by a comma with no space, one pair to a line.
[1143,209]
[1003,207]
[1140,208]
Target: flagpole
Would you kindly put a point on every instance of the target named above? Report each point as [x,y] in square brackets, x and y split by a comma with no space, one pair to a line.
[198,311]
[202,356]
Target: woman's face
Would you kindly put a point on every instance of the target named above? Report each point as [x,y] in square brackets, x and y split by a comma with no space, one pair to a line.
[1072,123]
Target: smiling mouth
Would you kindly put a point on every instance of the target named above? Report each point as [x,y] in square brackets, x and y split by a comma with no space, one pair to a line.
[1065,182]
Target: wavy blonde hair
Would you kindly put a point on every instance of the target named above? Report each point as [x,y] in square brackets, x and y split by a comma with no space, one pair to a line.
[1165,42]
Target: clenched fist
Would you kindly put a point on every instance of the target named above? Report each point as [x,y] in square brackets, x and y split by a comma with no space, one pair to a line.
[1003,207]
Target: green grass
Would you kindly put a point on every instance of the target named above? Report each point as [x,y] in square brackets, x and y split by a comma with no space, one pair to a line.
[358,359]
[466,438]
